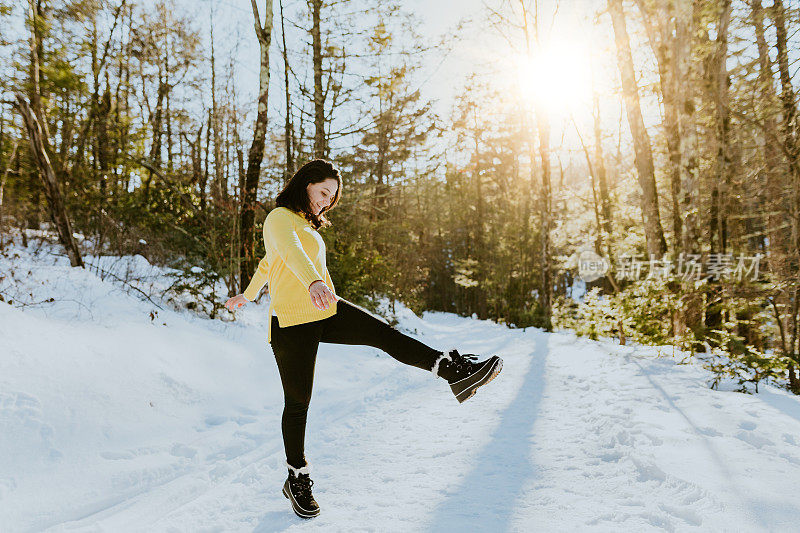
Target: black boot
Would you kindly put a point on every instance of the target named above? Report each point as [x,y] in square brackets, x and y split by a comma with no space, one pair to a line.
[465,373]
[298,490]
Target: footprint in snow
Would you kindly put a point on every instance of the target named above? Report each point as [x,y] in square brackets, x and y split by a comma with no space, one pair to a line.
[116,456]
[181,450]
[709,432]
[753,439]
[748,425]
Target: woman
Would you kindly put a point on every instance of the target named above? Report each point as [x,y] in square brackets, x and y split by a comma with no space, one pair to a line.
[309,312]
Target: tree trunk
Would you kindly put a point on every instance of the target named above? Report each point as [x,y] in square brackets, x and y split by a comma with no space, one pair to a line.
[2,187]
[55,198]
[204,177]
[94,105]
[687,145]
[721,187]
[773,184]
[155,147]
[101,125]
[787,97]
[545,208]
[197,167]
[479,249]
[168,126]
[792,154]
[122,107]
[219,186]
[657,24]
[656,245]
[36,52]
[602,180]
[546,293]
[256,153]
[598,243]
[289,128]
[320,148]
[379,200]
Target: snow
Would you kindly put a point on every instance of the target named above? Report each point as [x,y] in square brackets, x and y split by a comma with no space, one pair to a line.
[117,415]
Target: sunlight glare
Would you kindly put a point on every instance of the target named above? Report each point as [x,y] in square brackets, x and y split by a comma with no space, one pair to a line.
[556,77]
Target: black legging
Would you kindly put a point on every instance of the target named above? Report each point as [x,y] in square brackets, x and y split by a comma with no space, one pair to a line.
[295,349]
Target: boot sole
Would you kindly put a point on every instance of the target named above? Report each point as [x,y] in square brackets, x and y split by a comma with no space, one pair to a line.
[299,511]
[486,374]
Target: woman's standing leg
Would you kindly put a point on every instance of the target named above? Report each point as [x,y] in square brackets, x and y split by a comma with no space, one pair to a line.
[295,349]
[353,325]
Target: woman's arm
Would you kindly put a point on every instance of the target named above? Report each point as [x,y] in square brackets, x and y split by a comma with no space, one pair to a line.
[279,226]
[258,280]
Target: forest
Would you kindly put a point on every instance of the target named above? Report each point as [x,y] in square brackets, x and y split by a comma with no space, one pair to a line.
[626,169]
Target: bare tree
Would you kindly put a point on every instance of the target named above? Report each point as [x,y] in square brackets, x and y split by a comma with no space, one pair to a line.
[256,153]
[721,183]
[792,156]
[35,19]
[55,198]
[773,181]
[531,32]
[320,144]
[687,138]
[3,183]
[658,22]
[656,245]
[288,126]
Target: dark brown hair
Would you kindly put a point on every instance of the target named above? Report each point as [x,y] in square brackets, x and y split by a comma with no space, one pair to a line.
[294,195]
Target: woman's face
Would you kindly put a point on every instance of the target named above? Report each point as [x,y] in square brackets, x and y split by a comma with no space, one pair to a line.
[320,195]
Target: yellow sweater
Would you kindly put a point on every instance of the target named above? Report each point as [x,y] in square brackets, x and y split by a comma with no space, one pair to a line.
[295,258]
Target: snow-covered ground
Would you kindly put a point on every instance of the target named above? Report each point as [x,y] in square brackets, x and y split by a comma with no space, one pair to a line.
[115,420]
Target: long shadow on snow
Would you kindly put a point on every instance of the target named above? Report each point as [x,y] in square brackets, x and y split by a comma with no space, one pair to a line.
[788,405]
[486,497]
[718,458]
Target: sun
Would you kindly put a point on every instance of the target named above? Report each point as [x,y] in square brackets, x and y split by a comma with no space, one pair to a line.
[556,77]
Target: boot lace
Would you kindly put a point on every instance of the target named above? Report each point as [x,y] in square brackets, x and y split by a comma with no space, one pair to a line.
[303,483]
[463,362]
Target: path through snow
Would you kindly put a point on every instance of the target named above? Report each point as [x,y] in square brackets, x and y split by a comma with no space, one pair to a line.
[119,423]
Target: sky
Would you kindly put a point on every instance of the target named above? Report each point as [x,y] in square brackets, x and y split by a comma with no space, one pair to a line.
[581,55]
[443,73]
[435,80]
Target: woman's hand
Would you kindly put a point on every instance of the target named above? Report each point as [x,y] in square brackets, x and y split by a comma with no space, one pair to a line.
[236,302]
[321,295]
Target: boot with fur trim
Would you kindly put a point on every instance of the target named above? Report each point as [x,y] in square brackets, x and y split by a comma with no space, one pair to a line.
[297,489]
[465,373]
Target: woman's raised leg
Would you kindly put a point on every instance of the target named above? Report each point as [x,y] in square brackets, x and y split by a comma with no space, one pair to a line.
[354,325]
